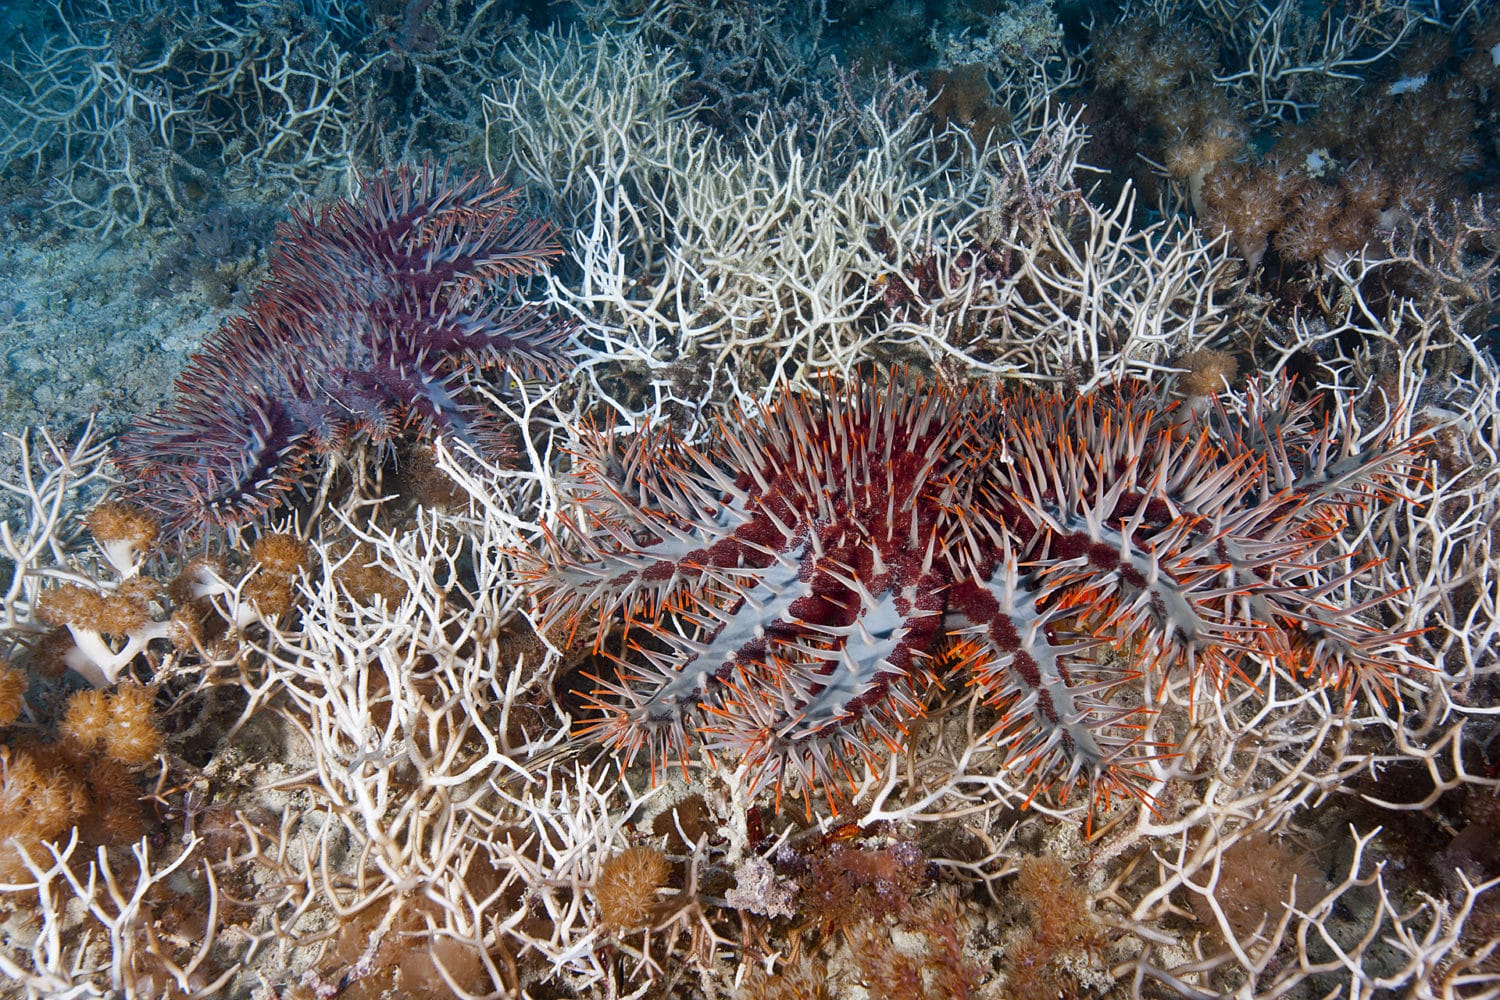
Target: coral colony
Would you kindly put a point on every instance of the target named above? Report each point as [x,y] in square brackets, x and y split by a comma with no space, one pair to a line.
[733,525]
[793,590]
[376,312]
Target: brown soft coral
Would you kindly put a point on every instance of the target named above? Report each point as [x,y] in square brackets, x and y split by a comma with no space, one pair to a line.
[1063,928]
[13,684]
[627,887]
[38,803]
[121,720]
[1308,220]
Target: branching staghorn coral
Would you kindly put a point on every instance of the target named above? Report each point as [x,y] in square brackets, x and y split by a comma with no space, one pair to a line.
[1273,61]
[128,112]
[130,906]
[424,769]
[1284,59]
[86,606]
[1064,291]
[743,56]
[1310,935]
[573,110]
[713,268]
[52,481]
[131,107]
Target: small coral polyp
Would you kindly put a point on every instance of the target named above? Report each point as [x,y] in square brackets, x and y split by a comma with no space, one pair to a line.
[793,592]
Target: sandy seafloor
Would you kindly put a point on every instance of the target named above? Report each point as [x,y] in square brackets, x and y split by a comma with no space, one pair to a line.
[80,339]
